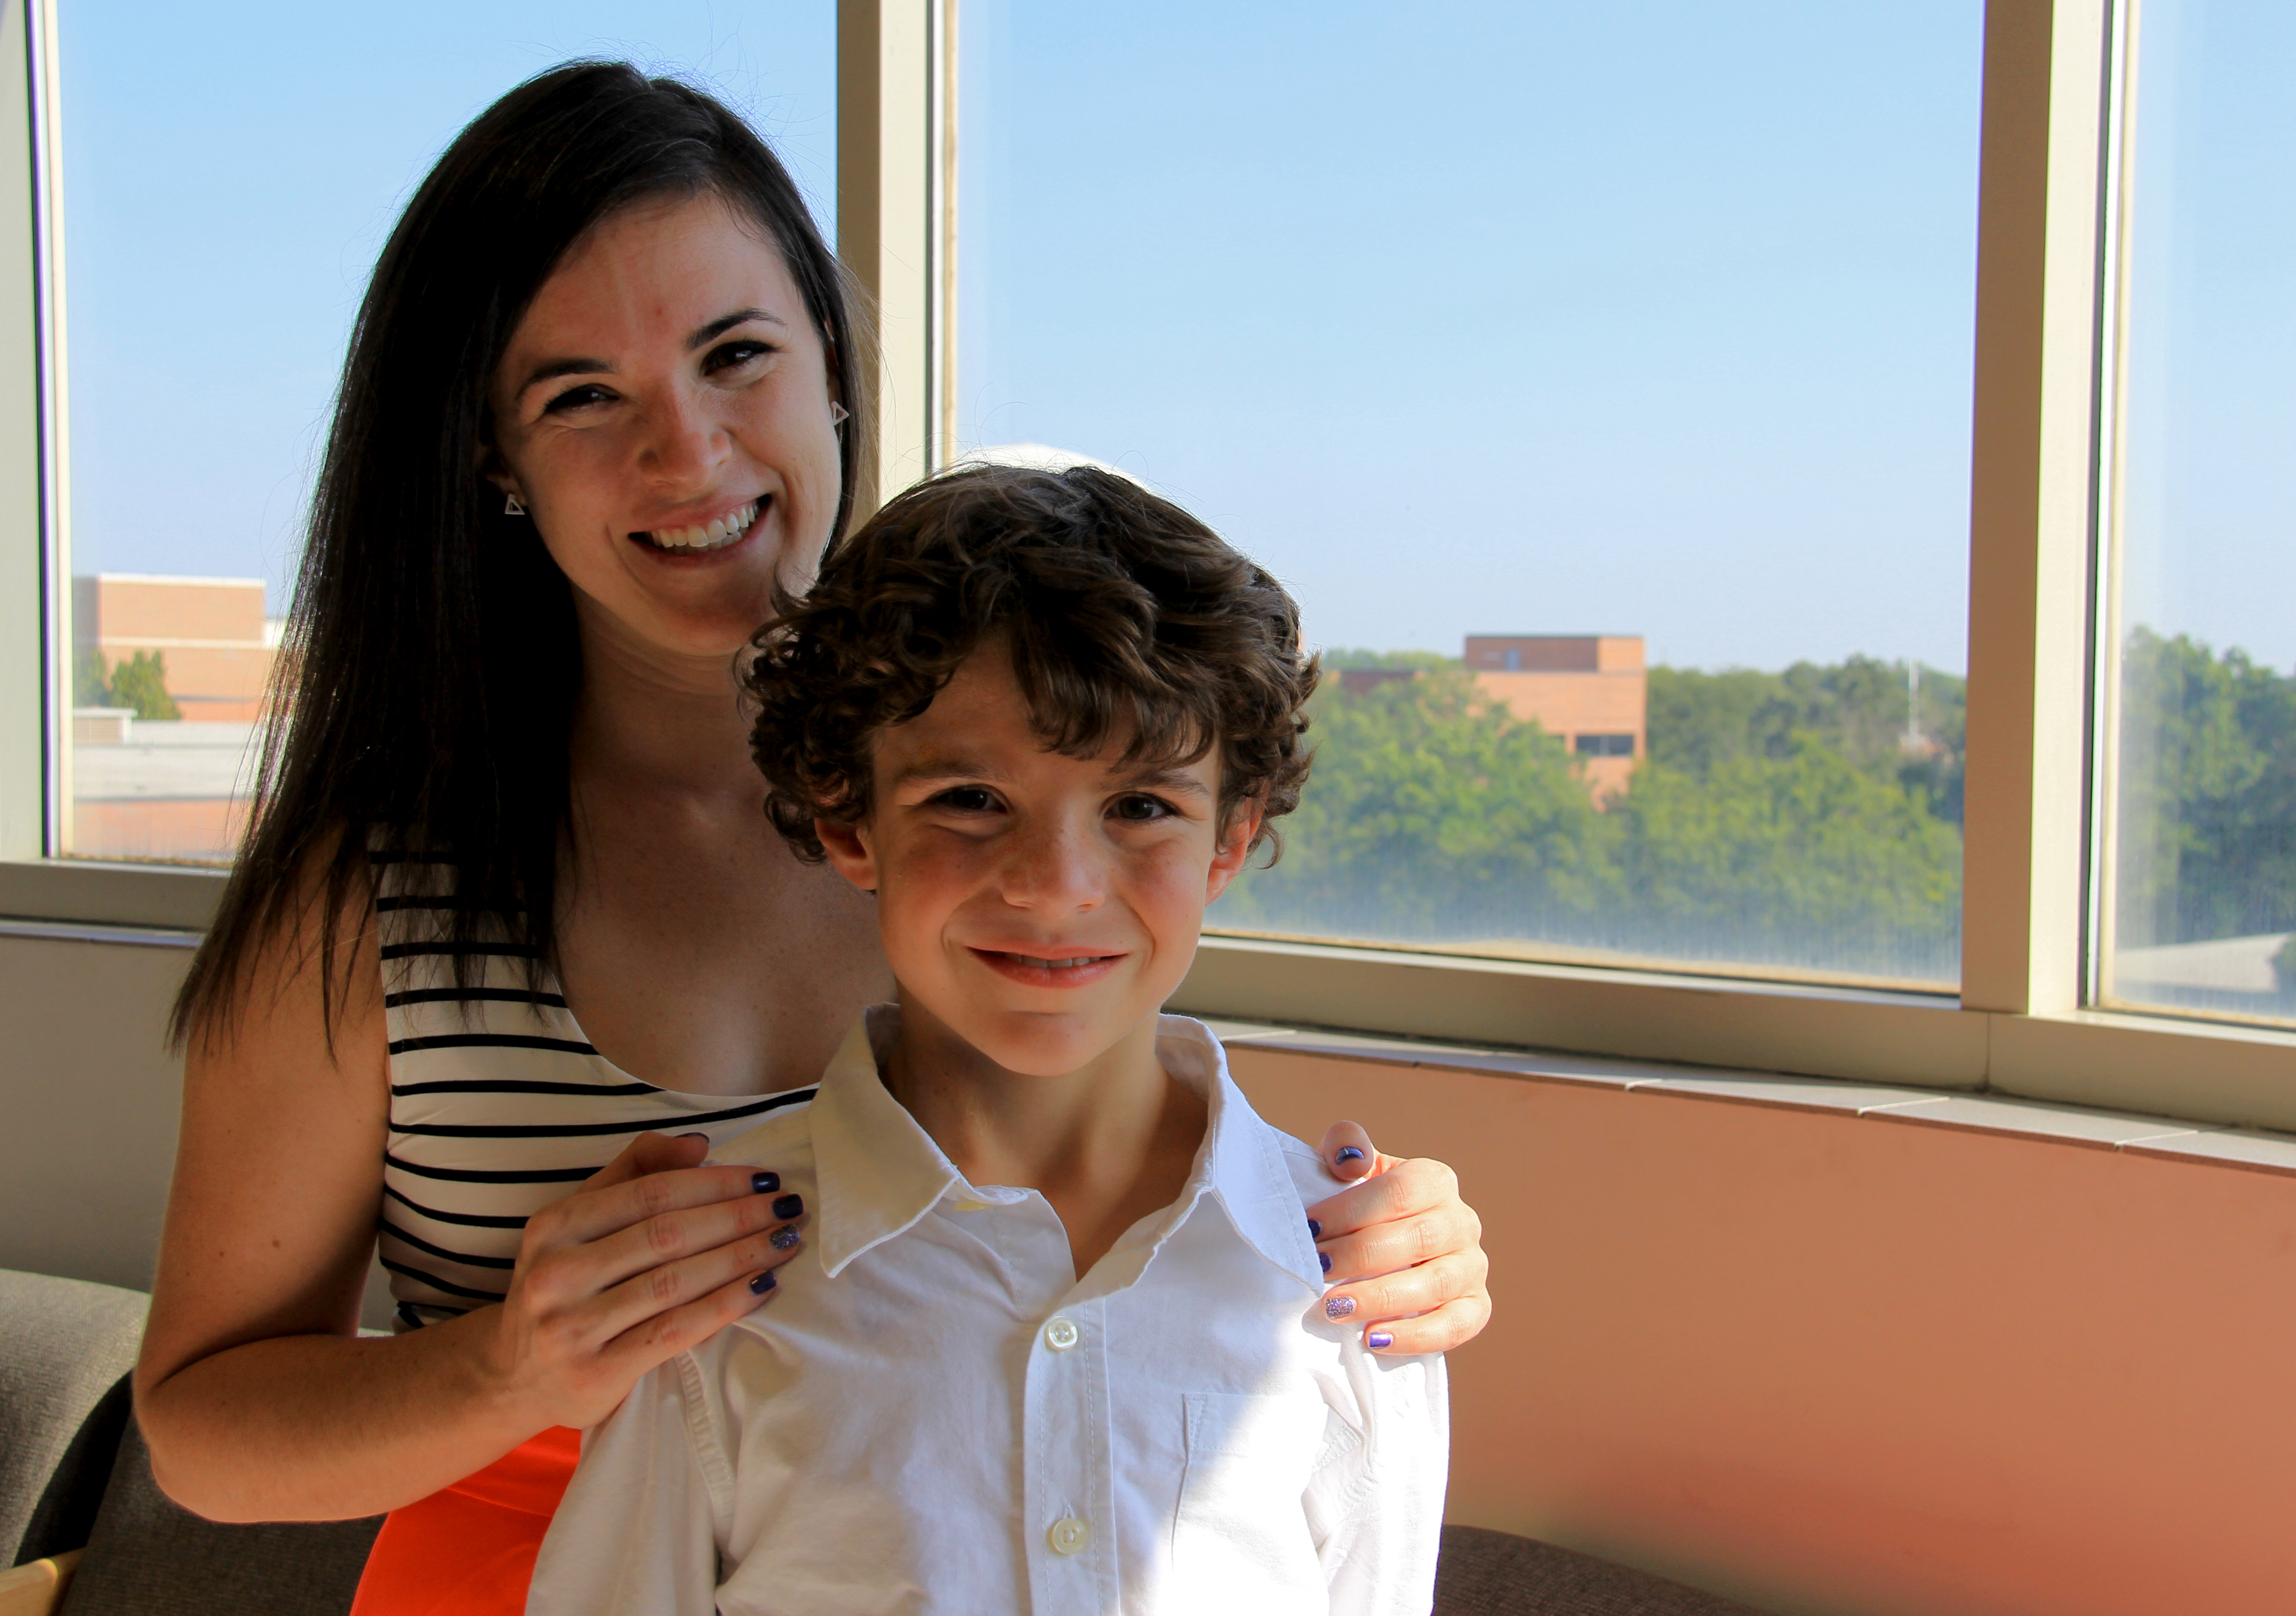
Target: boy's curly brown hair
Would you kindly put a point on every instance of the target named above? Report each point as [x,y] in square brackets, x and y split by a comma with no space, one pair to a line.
[1125,617]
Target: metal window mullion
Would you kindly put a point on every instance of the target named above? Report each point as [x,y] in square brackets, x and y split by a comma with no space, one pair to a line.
[2033,488]
[45,77]
[891,152]
[29,574]
[2117,196]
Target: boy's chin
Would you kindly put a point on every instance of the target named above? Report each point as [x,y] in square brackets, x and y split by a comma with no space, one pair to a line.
[1046,1045]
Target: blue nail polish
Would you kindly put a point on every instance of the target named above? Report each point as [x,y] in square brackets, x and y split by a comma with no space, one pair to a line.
[789,1206]
[1339,1306]
[1378,1339]
[782,1239]
[1347,1153]
[764,1184]
[1315,1229]
[1325,1259]
[762,1283]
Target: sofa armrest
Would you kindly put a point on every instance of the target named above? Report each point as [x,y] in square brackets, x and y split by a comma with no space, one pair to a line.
[35,1589]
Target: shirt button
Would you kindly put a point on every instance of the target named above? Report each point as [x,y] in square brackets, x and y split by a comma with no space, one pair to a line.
[1069,1535]
[1062,1335]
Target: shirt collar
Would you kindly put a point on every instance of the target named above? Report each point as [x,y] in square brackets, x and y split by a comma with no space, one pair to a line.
[1241,1165]
[879,1172]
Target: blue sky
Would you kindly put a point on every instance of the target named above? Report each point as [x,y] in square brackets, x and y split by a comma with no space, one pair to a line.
[1645,317]
[2211,502]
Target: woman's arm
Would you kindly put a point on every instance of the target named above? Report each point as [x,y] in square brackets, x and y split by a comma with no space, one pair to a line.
[1410,1249]
[259,1399]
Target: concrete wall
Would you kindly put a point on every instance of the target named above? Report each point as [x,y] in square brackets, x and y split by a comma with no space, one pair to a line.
[1831,1366]
[1825,1364]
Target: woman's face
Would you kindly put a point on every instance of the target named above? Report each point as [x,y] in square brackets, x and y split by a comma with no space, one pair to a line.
[663,412]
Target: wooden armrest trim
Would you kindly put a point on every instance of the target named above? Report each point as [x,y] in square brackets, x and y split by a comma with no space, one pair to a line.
[34,1589]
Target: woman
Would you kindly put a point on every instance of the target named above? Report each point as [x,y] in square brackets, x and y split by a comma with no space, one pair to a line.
[594,407]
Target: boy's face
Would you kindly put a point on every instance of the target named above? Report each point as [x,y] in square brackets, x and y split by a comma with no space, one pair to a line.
[1039,905]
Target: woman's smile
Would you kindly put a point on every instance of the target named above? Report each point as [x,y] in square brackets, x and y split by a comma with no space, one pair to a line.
[720,532]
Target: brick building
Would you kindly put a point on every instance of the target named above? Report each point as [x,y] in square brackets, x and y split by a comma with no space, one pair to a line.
[210,629]
[1590,690]
[168,789]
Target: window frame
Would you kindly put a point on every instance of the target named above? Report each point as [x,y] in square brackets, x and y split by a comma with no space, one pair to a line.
[2023,1023]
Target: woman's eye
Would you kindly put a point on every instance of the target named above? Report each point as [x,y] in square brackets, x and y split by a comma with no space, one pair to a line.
[1141,808]
[967,799]
[575,399]
[728,356]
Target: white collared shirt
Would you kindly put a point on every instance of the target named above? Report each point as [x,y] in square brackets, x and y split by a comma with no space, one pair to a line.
[935,1414]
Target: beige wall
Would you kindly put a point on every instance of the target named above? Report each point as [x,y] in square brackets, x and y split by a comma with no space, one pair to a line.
[1829,1365]
[89,1097]
[87,1106]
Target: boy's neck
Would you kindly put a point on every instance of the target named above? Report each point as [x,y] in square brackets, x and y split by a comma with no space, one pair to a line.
[1106,1144]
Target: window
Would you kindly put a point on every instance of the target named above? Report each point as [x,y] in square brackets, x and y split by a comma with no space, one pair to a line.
[228,173]
[1507,316]
[2201,841]
[1728,313]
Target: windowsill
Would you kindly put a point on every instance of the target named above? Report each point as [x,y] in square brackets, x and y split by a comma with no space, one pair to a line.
[2207,1074]
[152,896]
[2253,1149]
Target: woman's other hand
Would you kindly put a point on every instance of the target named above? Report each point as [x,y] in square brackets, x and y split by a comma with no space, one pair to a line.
[654,1254]
[1409,1250]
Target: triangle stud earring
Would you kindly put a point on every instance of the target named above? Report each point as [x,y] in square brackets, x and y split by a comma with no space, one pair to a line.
[511,507]
[837,414]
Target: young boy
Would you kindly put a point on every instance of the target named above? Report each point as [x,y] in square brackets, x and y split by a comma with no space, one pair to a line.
[1056,1342]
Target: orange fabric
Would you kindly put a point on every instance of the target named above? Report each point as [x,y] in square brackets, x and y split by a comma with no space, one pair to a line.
[469,1549]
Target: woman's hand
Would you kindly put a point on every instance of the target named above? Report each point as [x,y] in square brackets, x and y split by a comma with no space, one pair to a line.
[652,1255]
[1409,1250]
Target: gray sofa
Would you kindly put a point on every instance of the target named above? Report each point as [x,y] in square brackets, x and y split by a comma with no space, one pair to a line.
[74,1475]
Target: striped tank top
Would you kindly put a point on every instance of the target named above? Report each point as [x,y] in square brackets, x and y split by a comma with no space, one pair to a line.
[499,1104]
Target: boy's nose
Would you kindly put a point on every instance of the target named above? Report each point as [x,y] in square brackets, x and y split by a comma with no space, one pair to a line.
[1054,870]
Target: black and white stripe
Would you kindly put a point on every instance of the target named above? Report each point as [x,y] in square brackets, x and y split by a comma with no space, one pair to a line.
[499,1105]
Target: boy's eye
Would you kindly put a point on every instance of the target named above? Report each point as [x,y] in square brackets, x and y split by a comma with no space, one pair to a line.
[967,798]
[1140,807]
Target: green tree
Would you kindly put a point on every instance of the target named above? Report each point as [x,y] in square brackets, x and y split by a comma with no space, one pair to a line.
[2206,822]
[141,682]
[1857,708]
[90,680]
[1779,819]
[1806,857]
[1432,813]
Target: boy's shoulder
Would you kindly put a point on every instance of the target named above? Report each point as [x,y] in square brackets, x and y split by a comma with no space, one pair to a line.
[1183,1038]
[1309,1176]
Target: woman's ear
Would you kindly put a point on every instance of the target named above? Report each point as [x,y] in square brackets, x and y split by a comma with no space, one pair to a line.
[1237,835]
[847,847]
[491,468]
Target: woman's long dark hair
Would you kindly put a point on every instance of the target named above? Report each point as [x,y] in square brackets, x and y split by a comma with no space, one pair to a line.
[426,688]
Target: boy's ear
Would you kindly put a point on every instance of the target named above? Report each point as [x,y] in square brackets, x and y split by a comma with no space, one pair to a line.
[848,847]
[1243,822]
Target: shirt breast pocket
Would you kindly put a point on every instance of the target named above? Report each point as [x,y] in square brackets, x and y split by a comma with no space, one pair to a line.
[1241,1539]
